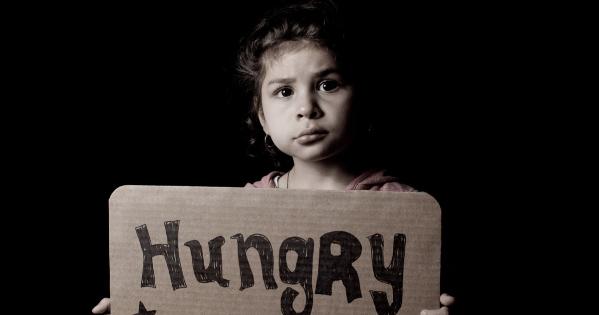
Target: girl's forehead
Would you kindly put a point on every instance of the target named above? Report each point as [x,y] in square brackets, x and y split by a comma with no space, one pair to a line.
[296,53]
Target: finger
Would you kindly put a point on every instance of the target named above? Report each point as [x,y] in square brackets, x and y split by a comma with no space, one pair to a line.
[447,299]
[102,307]
[442,311]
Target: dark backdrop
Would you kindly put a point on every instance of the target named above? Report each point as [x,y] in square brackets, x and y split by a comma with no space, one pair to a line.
[143,95]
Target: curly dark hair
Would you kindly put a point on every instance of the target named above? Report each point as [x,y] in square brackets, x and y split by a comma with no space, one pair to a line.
[317,22]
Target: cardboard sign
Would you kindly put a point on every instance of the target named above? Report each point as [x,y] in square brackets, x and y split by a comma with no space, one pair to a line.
[208,250]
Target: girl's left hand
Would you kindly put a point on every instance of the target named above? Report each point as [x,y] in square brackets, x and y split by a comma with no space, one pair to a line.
[446,300]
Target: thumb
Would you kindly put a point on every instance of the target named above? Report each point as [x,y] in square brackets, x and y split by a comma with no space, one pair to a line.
[102,307]
[442,311]
[446,299]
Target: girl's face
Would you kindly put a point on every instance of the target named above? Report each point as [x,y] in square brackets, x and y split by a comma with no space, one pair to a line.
[306,105]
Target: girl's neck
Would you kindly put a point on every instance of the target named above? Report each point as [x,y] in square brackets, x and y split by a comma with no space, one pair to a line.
[321,175]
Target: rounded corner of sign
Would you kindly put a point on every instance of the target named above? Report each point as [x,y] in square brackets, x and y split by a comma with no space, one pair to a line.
[117,192]
[433,200]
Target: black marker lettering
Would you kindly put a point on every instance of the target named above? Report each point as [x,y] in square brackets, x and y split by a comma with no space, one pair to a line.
[391,275]
[332,268]
[214,272]
[170,252]
[262,245]
[302,273]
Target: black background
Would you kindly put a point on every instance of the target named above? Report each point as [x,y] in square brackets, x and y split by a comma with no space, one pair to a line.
[144,95]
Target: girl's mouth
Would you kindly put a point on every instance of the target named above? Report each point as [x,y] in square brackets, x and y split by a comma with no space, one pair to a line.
[307,139]
[311,135]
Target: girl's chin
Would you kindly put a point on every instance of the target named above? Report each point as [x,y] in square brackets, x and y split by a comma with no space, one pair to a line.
[315,155]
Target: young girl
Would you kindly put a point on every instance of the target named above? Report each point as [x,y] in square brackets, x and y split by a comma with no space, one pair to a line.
[305,110]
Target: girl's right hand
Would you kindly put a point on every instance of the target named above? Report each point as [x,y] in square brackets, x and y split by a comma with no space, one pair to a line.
[103,307]
[446,300]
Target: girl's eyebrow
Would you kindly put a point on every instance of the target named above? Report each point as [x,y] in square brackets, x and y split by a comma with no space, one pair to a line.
[326,72]
[281,81]
[319,74]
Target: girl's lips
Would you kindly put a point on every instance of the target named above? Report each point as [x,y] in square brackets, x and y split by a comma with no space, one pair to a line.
[310,131]
[311,137]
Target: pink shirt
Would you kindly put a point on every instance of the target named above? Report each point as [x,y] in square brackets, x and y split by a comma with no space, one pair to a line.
[369,180]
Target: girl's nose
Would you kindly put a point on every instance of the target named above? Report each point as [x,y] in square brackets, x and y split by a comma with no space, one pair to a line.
[309,108]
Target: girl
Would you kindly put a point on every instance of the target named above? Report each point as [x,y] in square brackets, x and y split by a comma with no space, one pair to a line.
[305,106]
[296,66]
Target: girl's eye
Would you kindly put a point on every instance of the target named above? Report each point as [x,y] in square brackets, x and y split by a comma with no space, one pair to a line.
[284,92]
[328,85]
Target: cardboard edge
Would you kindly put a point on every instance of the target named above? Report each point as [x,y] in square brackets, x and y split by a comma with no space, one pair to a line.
[434,201]
[119,191]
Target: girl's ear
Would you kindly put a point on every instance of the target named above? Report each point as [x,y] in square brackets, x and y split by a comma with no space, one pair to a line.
[263,121]
[261,116]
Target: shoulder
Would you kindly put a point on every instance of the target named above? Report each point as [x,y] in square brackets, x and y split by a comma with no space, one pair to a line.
[377,179]
[266,182]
